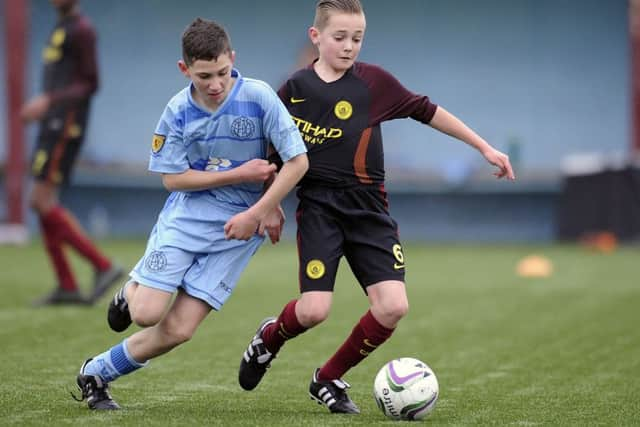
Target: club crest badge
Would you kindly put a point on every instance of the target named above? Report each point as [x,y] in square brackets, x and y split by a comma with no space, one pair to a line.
[156,261]
[315,269]
[242,127]
[343,110]
[157,143]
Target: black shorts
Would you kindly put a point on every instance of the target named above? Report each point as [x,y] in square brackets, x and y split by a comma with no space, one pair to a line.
[59,141]
[353,222]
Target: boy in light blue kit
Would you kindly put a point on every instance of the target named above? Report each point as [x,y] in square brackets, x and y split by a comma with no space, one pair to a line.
[210,147]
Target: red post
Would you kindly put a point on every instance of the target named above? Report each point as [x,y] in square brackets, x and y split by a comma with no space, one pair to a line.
[634,35]
[15,16]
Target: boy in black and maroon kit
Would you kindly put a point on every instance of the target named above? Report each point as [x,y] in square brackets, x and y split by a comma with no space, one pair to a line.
[70,79]
[338,105]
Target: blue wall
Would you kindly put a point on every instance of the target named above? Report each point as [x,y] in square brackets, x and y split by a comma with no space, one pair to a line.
[551,74]
[448,216]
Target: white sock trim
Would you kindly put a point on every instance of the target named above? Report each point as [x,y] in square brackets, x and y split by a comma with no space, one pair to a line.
[130,358]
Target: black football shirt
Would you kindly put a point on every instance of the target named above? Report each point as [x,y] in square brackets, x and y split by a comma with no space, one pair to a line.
[340,121]
[70,74]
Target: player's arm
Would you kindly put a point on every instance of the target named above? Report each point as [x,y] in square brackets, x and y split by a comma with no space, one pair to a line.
[274,220]
[449,124]
[292,171]
[280,129]
[255,170]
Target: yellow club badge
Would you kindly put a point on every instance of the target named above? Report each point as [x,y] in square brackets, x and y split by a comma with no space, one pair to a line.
[58,36]
[343,110]
[315,269]
[51,54]
[158,143]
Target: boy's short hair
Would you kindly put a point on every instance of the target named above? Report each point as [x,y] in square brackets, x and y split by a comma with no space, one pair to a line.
[205,40]
[325,7]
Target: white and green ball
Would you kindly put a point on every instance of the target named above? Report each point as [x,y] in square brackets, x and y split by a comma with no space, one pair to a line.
[406,389]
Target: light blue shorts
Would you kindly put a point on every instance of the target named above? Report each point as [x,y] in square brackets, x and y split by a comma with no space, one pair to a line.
[188,253]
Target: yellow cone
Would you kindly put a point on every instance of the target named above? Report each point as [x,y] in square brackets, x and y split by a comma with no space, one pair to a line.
[534,266]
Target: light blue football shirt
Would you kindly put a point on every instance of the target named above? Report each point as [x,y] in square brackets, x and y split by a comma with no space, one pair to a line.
[251,117]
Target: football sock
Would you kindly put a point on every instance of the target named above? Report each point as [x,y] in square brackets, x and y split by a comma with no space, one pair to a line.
[69,231]
[285,328]
[53,245]
[113,363]
[365,337]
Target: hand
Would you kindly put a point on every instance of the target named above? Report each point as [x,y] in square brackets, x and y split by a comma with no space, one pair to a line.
[36,108]
[273,223]
[256,170]
[241,226]
[501,161]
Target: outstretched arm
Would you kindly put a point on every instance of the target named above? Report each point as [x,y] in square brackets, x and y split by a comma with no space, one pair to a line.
[447,123]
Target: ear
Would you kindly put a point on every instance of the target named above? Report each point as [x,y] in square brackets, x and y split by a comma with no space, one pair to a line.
[233,57]
[314,35]
[184,68]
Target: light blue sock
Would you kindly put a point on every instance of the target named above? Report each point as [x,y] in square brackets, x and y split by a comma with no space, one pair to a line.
[113,363]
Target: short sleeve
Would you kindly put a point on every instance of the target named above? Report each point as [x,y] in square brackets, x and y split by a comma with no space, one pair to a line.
[168,151]
[279,127]
[391,100]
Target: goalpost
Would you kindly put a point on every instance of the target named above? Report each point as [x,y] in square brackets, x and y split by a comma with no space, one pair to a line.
[13,228]
[634,35]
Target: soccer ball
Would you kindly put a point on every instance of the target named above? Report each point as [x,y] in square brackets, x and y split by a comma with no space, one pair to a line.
[406,389]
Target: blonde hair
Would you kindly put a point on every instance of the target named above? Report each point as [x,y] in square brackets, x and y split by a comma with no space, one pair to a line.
[325,7]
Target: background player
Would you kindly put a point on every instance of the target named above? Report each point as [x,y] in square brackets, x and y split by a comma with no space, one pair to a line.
[69,81]
[338,105]
[210,147]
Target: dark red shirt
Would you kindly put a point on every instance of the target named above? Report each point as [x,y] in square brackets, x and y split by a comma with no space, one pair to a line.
[340,121]
[70,66]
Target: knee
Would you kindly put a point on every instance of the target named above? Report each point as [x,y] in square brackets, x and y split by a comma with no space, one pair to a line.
[400,310]
[41,200]
[144,317]
[310,316]
[392,312]
[36,204]
[175,333]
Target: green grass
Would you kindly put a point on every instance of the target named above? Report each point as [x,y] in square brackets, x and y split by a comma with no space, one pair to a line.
[507,351]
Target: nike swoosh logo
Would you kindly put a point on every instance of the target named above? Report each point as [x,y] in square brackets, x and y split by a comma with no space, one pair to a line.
[398,379]
[398,266]
[296,100]
[368,343]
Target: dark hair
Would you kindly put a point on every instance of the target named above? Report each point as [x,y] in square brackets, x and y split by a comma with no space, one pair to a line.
[325,7]
[204,40]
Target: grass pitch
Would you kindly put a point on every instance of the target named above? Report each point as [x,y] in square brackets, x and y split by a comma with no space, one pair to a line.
[564,350]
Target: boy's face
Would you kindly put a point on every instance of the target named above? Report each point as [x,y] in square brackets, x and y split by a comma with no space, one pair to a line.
[340,41]
[211,79]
